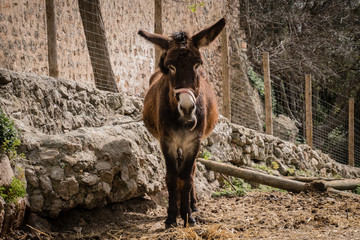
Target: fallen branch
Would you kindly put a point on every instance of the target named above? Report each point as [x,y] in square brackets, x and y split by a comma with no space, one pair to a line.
[283,183]
[37,230]
[311,179]
[253,176]
[346,184]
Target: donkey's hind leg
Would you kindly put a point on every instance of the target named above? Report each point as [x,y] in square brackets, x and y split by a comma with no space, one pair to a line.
[193,197]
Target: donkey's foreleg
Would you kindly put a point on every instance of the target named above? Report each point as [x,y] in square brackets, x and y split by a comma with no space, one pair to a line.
[171,184]
[187,185]
[172,175]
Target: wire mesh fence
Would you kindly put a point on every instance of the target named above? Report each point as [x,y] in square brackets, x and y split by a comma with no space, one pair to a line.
[330,122]
[94,30]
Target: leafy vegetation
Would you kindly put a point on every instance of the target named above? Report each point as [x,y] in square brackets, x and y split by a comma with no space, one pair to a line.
[14,191]
[193,7]
[9,136]
[357,190]
[264,168]
[206,154]
[264,188]
[257,82]
[237,188]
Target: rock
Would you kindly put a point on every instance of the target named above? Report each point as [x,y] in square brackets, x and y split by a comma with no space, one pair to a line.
[2,212]
[90,179]
[285,128]
[31,178]
[13,215]
[36,201]
[68,188]
[57,173]
[278,153]
[6,172]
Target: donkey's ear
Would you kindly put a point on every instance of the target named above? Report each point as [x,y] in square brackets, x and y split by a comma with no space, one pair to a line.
[160,40]
[206,36]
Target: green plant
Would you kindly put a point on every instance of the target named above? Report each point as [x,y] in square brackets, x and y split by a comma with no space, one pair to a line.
[194,6]
[356,190]
[264,188]
[9,136]
[14,191]
[263,168]
[237,188]
[275,165]
[206,154]
[258,83]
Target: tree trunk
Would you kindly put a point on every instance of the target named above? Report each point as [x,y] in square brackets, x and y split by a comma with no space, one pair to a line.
[96,42]
[346,184]
[252,176]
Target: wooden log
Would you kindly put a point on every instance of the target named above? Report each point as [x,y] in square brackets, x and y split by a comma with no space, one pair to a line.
[346,184]
[253,176]
[310,179]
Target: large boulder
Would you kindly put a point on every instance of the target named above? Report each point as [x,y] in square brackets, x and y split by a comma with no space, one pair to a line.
[6,172]
[91,167]
[285,128]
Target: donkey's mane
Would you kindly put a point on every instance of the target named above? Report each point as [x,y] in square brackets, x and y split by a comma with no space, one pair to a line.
[180,37]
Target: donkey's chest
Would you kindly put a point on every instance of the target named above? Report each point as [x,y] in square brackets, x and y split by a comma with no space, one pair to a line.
[182,140]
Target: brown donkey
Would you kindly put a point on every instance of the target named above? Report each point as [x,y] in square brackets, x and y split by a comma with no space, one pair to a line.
[180,109]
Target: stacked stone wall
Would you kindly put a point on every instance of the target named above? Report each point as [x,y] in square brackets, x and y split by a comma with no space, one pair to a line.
[23,39]
[110,159]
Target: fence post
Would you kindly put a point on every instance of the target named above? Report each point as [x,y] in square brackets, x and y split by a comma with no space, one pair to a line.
[158,29]
[308,110]
[51,37]
[267,85]
[351,132]
[226,105]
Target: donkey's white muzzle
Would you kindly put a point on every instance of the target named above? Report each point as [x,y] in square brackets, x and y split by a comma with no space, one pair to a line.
[186,105]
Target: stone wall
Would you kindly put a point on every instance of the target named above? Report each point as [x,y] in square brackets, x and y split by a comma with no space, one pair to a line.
[132,57]
[73,57]
[246,147]
[108,159]
[57,106]
[23,40]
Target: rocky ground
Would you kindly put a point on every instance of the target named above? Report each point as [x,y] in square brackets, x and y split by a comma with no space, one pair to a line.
[257,215]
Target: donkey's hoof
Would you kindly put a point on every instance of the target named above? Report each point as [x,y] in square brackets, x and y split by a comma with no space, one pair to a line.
[170,225]
[190,223]
[194,209]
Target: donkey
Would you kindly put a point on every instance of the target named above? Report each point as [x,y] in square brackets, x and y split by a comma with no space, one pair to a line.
[180,109]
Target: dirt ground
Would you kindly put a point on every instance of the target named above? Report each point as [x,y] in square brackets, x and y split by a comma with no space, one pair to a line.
[257,215]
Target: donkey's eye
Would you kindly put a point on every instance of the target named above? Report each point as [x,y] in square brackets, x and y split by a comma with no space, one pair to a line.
[196,66]
[172,68]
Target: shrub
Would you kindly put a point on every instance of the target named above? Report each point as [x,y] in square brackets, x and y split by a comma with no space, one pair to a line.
[9,136]
[238,188]
[14,191]
[357,190]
